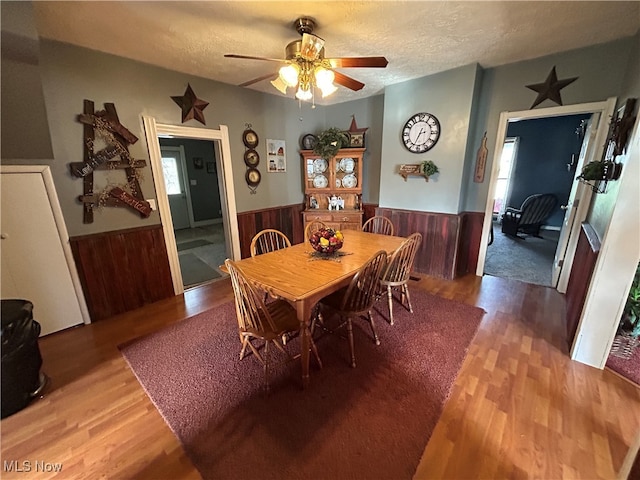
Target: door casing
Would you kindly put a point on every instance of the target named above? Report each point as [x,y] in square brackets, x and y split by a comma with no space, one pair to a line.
[225,169]
[605,109]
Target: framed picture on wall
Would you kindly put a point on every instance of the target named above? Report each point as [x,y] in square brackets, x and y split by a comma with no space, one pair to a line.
[276,156]
[211,167]
[198,162]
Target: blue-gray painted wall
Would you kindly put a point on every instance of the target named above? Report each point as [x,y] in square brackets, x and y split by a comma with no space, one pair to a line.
[544,149]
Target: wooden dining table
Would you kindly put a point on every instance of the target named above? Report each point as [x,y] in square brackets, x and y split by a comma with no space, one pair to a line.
[302,279]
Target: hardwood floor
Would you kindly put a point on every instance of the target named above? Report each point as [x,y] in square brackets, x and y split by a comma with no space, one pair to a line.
[519,407]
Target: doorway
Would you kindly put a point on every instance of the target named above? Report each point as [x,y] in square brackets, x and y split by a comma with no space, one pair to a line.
[576,207]
[539,156]
[192,186]
[219,139]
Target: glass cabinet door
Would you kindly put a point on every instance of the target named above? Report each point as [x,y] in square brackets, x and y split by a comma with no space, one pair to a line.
[317,174]
[346,172]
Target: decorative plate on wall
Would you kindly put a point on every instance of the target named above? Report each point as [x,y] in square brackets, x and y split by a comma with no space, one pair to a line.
[252,177]
[309,141]
[251,158]
[250,138]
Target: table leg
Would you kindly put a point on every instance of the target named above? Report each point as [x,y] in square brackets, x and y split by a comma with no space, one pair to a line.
[303,310]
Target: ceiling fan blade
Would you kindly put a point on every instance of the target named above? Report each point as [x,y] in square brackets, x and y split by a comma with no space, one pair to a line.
[348,62]
[259,79]
[345,81]
[246,57]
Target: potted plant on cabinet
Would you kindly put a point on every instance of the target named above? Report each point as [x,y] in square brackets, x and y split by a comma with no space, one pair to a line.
[330,141]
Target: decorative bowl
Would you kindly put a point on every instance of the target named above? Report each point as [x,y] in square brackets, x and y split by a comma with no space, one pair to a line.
[326,240]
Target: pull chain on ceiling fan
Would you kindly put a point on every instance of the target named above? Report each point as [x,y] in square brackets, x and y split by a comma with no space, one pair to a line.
[305,66]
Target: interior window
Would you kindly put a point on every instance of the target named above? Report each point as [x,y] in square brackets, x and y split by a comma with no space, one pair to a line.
[507,162]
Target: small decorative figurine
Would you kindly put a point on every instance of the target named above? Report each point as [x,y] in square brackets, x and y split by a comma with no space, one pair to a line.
[313,203]
[333,203]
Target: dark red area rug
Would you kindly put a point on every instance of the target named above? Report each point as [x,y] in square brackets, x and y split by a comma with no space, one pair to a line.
[371,422]
[627,367]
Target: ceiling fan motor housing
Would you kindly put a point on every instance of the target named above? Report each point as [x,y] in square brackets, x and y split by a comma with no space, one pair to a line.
[304,25]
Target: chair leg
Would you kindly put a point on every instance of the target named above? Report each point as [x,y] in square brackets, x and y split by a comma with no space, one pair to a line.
[245,341]
[350,330]
[405,291]
[390,301]
[373,328]
[314,349]
[317,318]
[314,319]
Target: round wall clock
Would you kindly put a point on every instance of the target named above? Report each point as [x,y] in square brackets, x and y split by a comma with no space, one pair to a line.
[250,138]
[309,141]
[252,177]
[421,132]
[251,158]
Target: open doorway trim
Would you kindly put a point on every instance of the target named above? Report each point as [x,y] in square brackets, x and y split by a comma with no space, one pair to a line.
[152,131]
[605,109]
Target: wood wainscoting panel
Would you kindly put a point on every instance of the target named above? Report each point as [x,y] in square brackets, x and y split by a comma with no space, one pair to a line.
[122,270]
[287,219]
[369,210]
[469,246]
[584,262]
[437,255]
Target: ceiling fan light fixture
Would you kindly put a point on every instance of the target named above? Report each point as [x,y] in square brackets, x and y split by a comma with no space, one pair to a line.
[280,85]
[328,90]
[289,74]
[311,46]
[324,77]
[304,94]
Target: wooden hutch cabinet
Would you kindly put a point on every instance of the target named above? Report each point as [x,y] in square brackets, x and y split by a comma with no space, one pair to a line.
[339,178]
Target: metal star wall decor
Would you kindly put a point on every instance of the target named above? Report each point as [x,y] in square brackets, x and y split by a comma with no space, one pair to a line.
[353,128]
[191,106]
[550,89]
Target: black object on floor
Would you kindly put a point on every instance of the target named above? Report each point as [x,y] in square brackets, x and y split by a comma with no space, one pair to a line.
[21,359]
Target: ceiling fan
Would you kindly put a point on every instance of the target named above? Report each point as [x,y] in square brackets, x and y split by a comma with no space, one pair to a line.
[306,67]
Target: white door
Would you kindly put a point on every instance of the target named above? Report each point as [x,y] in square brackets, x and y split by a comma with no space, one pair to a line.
[579,193]
[35,252]
[175,181]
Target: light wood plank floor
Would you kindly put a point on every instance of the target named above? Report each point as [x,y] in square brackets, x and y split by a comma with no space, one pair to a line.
[519,407]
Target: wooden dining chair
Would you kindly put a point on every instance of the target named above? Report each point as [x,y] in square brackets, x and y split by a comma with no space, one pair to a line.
[378,224]
[353,301]
[260,324]
[268,240]
[313,227]
[396,274]
[265,241]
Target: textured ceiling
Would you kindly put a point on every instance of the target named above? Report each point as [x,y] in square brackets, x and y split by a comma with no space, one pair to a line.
[418,38]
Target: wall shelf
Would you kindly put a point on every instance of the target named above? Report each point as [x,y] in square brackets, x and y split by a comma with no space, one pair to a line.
[412,170]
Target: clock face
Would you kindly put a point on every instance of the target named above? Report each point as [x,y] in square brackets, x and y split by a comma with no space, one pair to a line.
[421,132]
